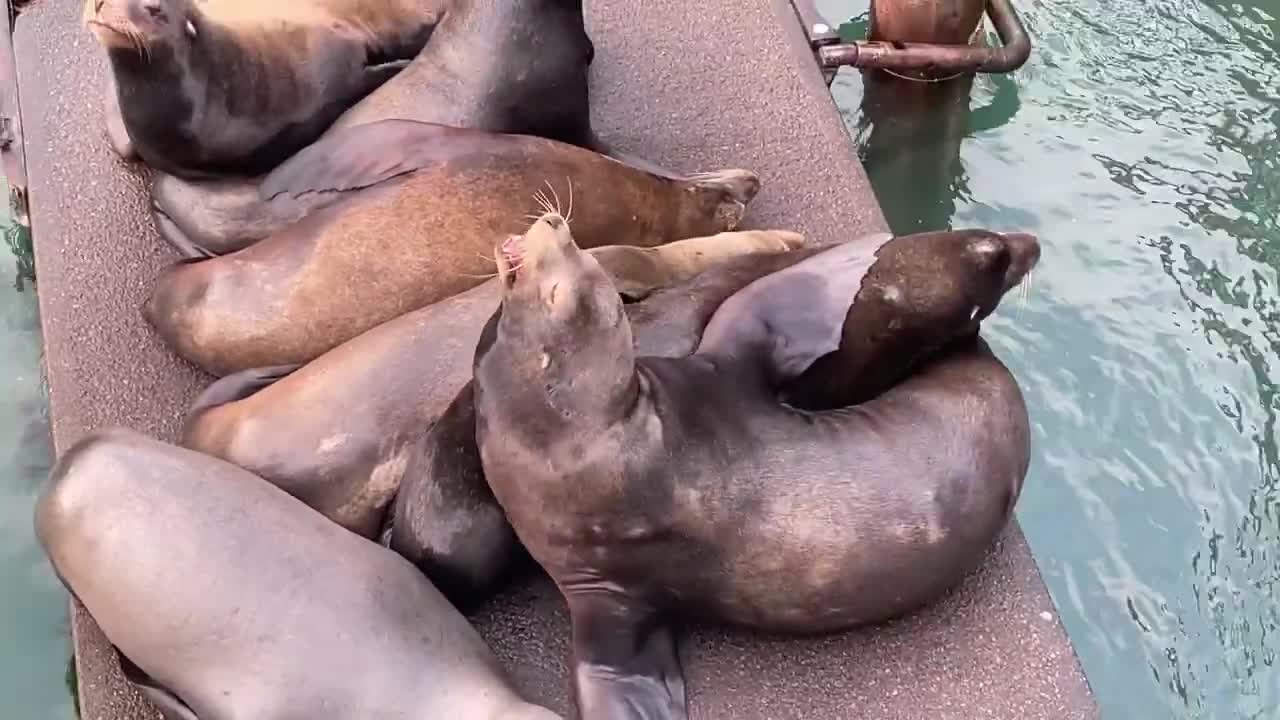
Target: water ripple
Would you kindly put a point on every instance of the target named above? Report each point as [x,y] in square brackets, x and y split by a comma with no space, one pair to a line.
[1143,143]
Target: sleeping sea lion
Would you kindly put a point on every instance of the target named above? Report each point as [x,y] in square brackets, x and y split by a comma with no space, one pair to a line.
[411,234]
[227,598]
[511,66]
[207,88]
[655,489]
[336,432]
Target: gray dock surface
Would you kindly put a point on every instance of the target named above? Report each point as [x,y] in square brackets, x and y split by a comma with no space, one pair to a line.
[695,86]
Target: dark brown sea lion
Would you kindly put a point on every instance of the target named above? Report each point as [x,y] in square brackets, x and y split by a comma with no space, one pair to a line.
[655,489]
[227,598]
[337,432]
[512,66]
[924,286]
[215,87]
[418,232]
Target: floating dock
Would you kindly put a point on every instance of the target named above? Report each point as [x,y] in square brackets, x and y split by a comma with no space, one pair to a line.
[694,86]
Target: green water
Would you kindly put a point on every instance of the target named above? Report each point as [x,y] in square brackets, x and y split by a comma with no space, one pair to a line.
[1141,143]
[34,636]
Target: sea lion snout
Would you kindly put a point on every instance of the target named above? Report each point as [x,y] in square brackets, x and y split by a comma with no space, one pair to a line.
[545,245]
[1024,254]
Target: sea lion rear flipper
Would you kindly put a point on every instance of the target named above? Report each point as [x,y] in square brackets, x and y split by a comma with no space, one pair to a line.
[626,667]
[792,317]
[238,386]
[355,157]
[170,706]
[178,240]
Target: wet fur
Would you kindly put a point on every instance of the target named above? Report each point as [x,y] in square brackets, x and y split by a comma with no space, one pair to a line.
[478,550]
[656,488]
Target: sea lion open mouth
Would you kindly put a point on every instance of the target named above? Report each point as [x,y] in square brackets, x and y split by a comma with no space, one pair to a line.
[512,250]
[516,251]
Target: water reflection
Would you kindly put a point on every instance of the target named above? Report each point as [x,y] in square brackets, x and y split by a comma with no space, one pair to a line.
[1142,141]
[34,634]
[909,134]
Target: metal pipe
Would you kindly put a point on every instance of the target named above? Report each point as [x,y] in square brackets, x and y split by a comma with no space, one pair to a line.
[939,59]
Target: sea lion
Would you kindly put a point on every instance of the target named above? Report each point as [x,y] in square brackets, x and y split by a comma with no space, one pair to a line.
[510,66]
[655,489]
[208,88]
[924,286]
[227,598]
[337,432]
[414,233]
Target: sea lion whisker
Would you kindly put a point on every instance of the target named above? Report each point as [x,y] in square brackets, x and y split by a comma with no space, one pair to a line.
[556,195]
[543,201]
[568,219]
[511,269]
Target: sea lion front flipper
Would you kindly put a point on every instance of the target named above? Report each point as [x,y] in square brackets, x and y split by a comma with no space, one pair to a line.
[169,705]
[178,240]
[117,134]
[788,319]
[626,664]
[355,157]
[638,272]
[237,386]
[445,519]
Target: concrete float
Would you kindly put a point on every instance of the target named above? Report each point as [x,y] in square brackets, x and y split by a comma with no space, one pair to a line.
[718,83]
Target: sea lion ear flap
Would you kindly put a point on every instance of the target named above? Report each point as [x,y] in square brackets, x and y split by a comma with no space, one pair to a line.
[355,157]
[791,318]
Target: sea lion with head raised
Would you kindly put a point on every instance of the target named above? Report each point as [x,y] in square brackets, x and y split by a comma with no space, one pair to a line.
[227,598]
[336,433]
[919,294]
[511,66]
[208,88]
[654,489]
[413,234]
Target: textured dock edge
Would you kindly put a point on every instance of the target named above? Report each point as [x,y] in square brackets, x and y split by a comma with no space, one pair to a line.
[697,86]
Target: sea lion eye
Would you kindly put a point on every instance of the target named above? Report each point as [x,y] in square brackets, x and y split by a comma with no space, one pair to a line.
[551,295]
[191,28]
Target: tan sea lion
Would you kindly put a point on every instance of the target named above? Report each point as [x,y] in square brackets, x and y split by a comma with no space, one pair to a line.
[227,598]
[413,233]
[207,88]
[656,489]
[337,432]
